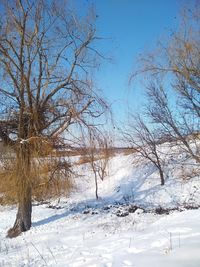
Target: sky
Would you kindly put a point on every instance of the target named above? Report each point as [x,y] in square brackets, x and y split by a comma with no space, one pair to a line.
[128,28]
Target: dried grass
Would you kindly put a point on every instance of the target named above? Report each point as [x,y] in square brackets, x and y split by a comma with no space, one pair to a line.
[50,175]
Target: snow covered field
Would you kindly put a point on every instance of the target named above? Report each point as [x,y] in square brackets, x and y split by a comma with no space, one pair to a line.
[134,223]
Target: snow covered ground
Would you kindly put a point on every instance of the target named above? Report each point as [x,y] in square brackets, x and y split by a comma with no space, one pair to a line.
[134,223]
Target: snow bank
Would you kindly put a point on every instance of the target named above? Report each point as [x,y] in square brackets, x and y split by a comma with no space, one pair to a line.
[85,232]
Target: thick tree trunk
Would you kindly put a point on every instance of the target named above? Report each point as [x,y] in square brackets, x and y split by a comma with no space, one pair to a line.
[23,218]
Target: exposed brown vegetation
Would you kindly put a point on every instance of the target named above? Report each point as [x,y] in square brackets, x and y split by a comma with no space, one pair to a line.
[85,158]
[49,175]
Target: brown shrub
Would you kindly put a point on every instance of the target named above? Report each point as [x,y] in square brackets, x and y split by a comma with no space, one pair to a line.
[50,177]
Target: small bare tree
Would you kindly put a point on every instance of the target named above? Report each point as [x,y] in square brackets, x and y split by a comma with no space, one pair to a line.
[145,142]
[98,155]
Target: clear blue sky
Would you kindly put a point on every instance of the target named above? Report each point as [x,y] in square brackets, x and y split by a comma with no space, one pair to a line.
[132,27]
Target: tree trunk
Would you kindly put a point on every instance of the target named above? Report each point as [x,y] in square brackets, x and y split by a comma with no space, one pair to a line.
[23,218]
[96,185]
[161,176]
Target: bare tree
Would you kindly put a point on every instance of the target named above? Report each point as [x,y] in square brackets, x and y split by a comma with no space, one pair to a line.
[145,141]
[178,125]
[174,90]
[98,155]
[46,53]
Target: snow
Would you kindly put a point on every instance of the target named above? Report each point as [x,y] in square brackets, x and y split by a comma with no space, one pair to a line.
[80,231]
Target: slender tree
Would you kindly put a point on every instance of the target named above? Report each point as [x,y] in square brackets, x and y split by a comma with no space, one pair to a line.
[46,53]
[145,141]
[98,155]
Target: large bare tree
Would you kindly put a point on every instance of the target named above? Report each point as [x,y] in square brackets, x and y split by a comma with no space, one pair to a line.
[174,89]
[174,124]
[46,53]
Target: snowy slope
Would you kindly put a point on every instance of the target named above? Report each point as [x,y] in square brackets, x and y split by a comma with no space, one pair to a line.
[112,231]
[132,179]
